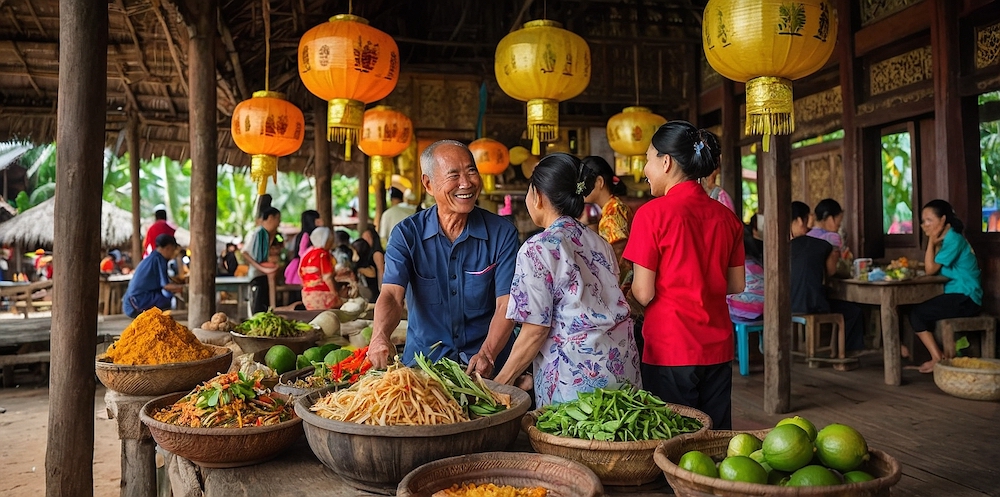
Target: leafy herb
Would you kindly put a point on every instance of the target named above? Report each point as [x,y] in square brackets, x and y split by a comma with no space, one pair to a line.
[472,394]
[268,324]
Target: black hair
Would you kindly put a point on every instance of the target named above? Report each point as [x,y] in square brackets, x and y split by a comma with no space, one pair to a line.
[564,181]
[395,193]
[160,215]
[943,209]
[712,142]
[800,211]
[308,218]
[341,237]
[376,243]
[269,212]
[753,247]
[364,251]
[687,145]
[600,167]
[165,240]
[263,203]
[828,207]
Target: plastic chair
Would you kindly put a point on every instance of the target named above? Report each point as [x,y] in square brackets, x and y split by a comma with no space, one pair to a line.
[743,329]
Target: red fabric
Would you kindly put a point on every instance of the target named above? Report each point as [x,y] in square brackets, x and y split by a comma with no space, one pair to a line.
[312,267]
[690,241]
[107,265]
[158,228]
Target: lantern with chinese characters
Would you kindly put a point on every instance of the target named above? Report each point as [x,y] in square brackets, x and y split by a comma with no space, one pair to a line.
[542,64]
[385,134]
[267,127]
[629,134]
[492,158]
[768,43]
[349,64]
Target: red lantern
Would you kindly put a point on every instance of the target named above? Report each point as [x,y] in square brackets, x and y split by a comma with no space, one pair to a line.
[492,158]
[386,133]
[267,127]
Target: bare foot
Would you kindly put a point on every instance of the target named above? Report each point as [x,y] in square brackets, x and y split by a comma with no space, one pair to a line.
[928,367]
[904,351]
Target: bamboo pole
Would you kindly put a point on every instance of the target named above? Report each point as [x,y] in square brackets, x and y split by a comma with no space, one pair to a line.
[83,40]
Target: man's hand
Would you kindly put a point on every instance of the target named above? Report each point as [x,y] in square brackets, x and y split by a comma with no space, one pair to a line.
[378,351]
[173,287]
[481,363]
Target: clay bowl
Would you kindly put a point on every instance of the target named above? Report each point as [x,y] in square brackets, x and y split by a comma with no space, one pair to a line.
[286,383]
[376,458]
[159,379]
[969,383]
[220,447]
[615,463]
[258,346]
[560,477]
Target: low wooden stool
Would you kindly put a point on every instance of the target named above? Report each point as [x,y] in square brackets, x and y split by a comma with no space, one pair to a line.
[813,327]
[985,323]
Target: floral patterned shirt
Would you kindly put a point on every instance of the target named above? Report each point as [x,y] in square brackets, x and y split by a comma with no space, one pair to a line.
[566,278]
[614,220]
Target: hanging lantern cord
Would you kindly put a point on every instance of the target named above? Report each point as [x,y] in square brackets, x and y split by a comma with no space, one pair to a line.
[266,12]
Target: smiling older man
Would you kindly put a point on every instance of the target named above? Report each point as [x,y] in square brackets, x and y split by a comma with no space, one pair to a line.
[453,263]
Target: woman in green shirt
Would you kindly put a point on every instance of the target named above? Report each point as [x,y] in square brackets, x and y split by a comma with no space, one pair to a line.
[950,255]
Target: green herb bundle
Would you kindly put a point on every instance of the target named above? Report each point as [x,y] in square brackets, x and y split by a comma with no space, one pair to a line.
[473,395]
[269,324]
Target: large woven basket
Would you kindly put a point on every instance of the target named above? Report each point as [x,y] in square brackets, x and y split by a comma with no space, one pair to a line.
[159,379]
[968,383]
[560,477]
[882,466]
[615,463]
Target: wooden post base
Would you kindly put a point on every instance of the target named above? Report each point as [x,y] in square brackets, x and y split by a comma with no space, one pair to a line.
[138,447]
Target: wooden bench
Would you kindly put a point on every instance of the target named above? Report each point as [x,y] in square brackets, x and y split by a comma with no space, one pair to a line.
[987,324]
[7,363]
[21,296]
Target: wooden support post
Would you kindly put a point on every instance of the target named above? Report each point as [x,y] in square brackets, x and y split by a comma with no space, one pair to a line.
[732,168]
[777,269]
[132,137]
[363,206]
[949,151]
[379,198]
[854,213]
[138,447]
[204,157]
[324,202]
[83,62]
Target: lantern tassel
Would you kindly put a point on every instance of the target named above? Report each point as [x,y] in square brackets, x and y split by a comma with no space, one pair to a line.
[262,167]
[534,145]
[769,108]
[347,149]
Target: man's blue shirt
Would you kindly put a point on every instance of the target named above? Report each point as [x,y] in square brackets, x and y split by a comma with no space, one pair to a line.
[146,288]
[451,288]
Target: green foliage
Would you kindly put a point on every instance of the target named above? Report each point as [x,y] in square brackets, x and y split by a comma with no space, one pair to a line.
[750,198]
[897,181]
[989,147]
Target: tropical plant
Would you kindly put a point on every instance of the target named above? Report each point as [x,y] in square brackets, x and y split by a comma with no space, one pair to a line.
[989,160]
[750,199]
[897,184]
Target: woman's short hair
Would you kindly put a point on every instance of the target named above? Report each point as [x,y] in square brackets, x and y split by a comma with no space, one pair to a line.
[800,211]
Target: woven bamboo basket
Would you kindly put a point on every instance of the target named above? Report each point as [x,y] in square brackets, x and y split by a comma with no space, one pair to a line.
[160,379]
[560,477]
[615,463]
[968,383]
[882,466]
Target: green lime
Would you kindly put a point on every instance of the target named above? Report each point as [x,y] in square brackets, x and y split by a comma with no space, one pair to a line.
[757,455]
[302,362]
[336,356]
[813,476]
[775,477]
[743,444]
[787,448]
[857,477]
[698,462]
[841,447]
[314,354]
[280,358]
[326,349]
[742,468]
[801,422]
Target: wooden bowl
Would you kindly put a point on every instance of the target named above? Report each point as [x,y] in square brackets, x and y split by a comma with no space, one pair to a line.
[561,477]
[285,383]
[258,346]
[615,463]
[159,379]
[882,466]
[968,383]
[376,458]
[219,447]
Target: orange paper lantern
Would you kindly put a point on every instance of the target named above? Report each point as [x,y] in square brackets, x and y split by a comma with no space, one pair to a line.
[349,64]
[267,127]
[385,134]
[492,158]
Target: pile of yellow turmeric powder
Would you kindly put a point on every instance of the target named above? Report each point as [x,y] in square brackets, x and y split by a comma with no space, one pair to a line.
[155,338]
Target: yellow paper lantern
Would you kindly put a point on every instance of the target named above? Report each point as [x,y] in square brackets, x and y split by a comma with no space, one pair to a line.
[629,134]
[768,43]
[543,65]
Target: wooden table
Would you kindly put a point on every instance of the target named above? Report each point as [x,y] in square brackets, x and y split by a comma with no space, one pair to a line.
[242,284]
[889,295]
[112,289]
[18,290]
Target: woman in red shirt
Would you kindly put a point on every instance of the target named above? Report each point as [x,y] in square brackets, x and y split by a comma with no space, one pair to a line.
[316,271]
[687,251]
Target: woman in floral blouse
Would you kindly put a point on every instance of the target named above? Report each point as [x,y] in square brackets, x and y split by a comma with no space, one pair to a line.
[576,329]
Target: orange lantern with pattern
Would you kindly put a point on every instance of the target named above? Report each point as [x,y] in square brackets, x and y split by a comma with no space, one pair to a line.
[385,134]
[267,127]
[492,159]
[349,64]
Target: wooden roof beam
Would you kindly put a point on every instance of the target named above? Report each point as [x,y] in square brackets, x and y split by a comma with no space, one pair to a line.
[128,90]
[234,59]
[13,18]
[173,49]
[34,15]
[131,31]
[27,72]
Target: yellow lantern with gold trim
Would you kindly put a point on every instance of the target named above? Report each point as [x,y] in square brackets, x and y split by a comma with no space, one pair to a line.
[267,127]
[385,134]
[543,65]
[629,134]
[768,43]
[492,159]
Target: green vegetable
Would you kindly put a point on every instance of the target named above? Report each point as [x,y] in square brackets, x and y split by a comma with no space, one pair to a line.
[960,345]
[624,415]
[268,324]
[473,395]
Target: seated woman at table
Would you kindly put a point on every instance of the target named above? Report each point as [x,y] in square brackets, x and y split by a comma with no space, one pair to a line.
[576,328]
[316,272]
[749,304]
[950,255]
[829,216]
[813,260]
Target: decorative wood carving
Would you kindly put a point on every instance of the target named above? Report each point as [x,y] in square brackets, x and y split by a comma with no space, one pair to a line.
[818,114]
[435,102]
[709,76]
[900,71]
[876,10]
[818,176]
[893,101]
[987,45]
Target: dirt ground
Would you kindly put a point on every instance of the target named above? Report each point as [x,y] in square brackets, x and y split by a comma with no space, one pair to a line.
[22,442]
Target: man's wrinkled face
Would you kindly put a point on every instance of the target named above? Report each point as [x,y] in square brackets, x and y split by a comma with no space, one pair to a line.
[455,183]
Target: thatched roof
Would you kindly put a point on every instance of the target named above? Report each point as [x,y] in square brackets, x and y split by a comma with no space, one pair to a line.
[35,226]
[148,60]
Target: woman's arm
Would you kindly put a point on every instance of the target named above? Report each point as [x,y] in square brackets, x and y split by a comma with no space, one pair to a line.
[736,279]
[526,347]
[933,246]
[831,262]
[643,284]
[379,259]
[304,245]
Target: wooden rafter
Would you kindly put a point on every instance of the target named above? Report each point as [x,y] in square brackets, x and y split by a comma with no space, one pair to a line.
[173,48]
[234,59]
[27,71]
[129,95]
[31,10]
[13,18]
[132,33]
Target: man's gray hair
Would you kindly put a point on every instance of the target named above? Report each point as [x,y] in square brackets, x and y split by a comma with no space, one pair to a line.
[428,163]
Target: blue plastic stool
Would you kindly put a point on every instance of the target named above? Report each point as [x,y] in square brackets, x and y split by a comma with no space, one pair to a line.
[743,329]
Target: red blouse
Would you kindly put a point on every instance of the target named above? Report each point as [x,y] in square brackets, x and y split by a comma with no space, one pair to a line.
[312,267]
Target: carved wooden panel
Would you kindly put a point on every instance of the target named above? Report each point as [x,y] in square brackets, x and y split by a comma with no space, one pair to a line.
[900,71]
[818,114]
[434,102]
[876,10]
[818,176]
[709,76]
[987,45]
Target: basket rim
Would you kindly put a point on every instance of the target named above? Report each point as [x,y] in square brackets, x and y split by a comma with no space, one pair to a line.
[102,363]
[945,365]
[530,418]
[519,399]
[504,456]
[163,400]
[673,470]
